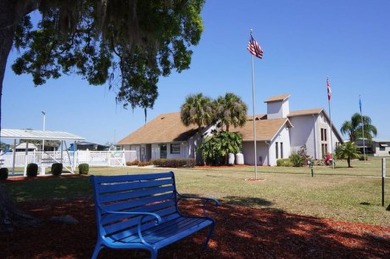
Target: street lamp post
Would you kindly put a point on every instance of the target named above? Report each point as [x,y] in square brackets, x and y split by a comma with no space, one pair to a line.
[43,143]
[44,126]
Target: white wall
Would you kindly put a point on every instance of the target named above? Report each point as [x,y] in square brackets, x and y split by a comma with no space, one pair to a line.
[155,152]
[266,151]
[278,109]
[282,137]
[249,154]
[385,149]
[183,151]
[304,132]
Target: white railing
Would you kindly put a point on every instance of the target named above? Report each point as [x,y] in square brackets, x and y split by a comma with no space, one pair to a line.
[93,158]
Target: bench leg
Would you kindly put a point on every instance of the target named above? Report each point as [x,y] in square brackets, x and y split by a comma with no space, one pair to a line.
[153,254]
[96,251]
[211,230]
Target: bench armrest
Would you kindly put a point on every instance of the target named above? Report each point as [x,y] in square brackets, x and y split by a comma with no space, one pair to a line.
[139,213]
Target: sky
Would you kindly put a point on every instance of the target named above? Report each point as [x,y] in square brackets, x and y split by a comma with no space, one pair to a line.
[304,43]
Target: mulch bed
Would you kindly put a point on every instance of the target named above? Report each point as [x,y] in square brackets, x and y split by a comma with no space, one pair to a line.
[241,232]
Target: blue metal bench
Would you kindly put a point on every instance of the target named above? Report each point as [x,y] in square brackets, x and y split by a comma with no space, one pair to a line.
[141,212]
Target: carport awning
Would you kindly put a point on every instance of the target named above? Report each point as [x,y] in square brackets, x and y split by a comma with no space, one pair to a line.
[39,134]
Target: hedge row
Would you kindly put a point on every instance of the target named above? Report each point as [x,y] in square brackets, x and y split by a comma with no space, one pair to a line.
[175,163]
[180,162]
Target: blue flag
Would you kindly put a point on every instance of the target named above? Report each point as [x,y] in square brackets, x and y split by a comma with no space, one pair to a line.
[360,104]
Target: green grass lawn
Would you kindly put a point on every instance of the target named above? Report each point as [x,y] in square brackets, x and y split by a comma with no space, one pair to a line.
[347,194]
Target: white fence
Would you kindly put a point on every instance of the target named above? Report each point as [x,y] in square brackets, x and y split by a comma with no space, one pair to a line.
[69,158]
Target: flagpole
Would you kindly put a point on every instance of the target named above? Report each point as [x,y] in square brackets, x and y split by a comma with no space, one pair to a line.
[361,116]
[254,115]
[330,120]
[256,51]
[331,133]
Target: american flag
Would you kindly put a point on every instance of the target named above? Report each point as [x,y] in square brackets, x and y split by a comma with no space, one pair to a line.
[329,90]
[254,48]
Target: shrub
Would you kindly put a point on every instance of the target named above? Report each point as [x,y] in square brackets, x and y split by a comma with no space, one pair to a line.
[175,163]
[283,162]
[144,163]
[135,162]
[56,169]
[296,159]
[215,149]
[32,170]
[83,168]
[3,173]
[300,157]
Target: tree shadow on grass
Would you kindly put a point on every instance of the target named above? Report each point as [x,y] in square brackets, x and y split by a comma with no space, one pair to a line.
[247,201]
[241,232]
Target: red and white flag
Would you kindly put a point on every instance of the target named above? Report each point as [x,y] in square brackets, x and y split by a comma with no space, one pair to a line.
[328,89]
[254,48]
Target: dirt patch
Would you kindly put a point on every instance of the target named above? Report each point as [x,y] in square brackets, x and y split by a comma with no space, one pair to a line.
[240,232]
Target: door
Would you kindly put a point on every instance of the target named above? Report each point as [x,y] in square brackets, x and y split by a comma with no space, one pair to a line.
[163,151]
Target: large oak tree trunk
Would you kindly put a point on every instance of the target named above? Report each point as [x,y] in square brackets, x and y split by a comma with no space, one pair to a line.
[7,31]
[11,11]
[11,217]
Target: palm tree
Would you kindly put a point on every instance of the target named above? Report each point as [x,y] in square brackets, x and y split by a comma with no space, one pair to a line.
[347,151]
[230,110]
[197,110]
[355,127]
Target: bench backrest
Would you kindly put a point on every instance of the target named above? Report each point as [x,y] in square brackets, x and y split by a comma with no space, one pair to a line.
[154,193]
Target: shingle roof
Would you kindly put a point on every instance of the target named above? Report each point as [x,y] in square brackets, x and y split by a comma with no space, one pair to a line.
[305,112]
[277,98]
[265,129]
[164,128]
[168,128]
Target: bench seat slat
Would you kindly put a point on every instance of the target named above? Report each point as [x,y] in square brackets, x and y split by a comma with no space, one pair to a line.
[136,203]
[131,177]
[122,231]
[168,232]
[135,194]
[162,209]
[129,221]
[132,185]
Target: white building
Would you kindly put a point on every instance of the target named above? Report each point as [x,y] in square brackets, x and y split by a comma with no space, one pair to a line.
[377,147]
[278,133]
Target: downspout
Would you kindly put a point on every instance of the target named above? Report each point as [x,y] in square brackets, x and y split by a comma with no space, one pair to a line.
[74,156]
[268,155]
[25,160]
[14,157]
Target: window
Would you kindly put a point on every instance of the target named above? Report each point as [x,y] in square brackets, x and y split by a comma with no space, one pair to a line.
[277,149]
[324,149]
[323,135]
[281,149]
[175,148]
